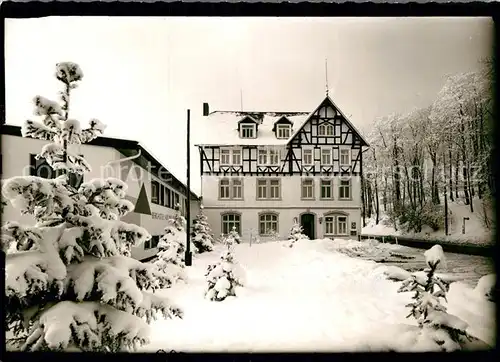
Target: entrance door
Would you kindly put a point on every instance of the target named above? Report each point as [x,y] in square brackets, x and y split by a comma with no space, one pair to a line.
[307,223]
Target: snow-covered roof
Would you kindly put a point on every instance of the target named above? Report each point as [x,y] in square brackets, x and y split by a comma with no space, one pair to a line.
[221,127]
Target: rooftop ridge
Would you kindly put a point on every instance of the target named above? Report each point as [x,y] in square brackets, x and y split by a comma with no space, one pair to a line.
[262,112]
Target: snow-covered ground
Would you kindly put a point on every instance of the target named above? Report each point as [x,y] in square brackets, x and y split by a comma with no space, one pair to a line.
[306,298]
[475,232]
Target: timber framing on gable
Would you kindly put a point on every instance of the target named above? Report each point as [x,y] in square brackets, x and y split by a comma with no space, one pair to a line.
[325,128]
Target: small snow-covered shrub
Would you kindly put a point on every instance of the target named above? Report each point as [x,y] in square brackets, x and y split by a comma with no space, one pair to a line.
[438,328]
[172,249]
[202,234]
[296,234]
[412,219]
[486,287]
[70,283]
[224,276]
[234,235]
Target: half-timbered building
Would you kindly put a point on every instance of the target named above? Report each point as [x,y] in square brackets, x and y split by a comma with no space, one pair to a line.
[262,170]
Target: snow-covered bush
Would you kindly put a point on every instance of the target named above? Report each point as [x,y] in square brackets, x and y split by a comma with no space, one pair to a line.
[69,281]
[202,234]
[486,287]
[224,277]
[413,219]
[296,234]
[447,332]
[233,234]
[172,248]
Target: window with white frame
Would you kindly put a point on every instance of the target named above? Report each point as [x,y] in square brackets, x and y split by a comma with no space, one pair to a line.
[326,156]
[274,189]
[262,157]
[283,130]
[247,130]
[326,189]
[268,224]
[345,189]
[269,156]
[268,189]
[230,156]
[345,157]
[341,225]
[224,190]
[307,157]
[325,129]
[229,220]
[329,225]
[231,189]
[237,186]
[236,157]
[308,189]
[335,225]
[225,157]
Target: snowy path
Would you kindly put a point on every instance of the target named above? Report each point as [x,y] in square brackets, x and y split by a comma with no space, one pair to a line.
[298,299]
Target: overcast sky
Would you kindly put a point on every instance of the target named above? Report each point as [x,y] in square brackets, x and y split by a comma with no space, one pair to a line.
[142,74]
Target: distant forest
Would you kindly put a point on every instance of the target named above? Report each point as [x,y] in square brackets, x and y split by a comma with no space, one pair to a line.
[442,153]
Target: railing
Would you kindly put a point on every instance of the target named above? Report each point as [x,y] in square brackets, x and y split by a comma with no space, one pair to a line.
[462,248]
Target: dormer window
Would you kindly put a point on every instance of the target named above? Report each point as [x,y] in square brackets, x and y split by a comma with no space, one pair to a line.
[247,130]
[283,130]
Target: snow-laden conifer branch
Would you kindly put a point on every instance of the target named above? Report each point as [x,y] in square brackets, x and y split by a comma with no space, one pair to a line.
[70,281]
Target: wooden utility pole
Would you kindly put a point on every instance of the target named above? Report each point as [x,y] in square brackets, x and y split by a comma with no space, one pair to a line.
[188,256]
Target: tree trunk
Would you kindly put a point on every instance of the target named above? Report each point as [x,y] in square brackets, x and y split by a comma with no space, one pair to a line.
[456,175]
[377,207]
[451,176]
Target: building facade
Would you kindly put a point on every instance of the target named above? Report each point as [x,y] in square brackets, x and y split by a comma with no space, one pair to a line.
[151,187]
[262,170]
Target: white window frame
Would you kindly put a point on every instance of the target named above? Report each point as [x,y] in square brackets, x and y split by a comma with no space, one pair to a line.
[282,129]
[230,223]
[225,152]
[334,223]
[236,152]
[343,187]
[330,186]
[304,150]
[267,186]
[303,187]
[269,156]
[268,220]
[329,224]
[227,188]
[252,128]
[348,163]
[325,129]
[330,154]
[238,186]
[229,153]
[344,223]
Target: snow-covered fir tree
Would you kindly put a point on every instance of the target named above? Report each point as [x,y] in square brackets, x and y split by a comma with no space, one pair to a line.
[439,330]
[172,247]
[70,283]
[202,234]
[296,233]
[234,235]
[224,276]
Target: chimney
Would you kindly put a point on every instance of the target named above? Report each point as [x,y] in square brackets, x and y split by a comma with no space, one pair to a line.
[205,109]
